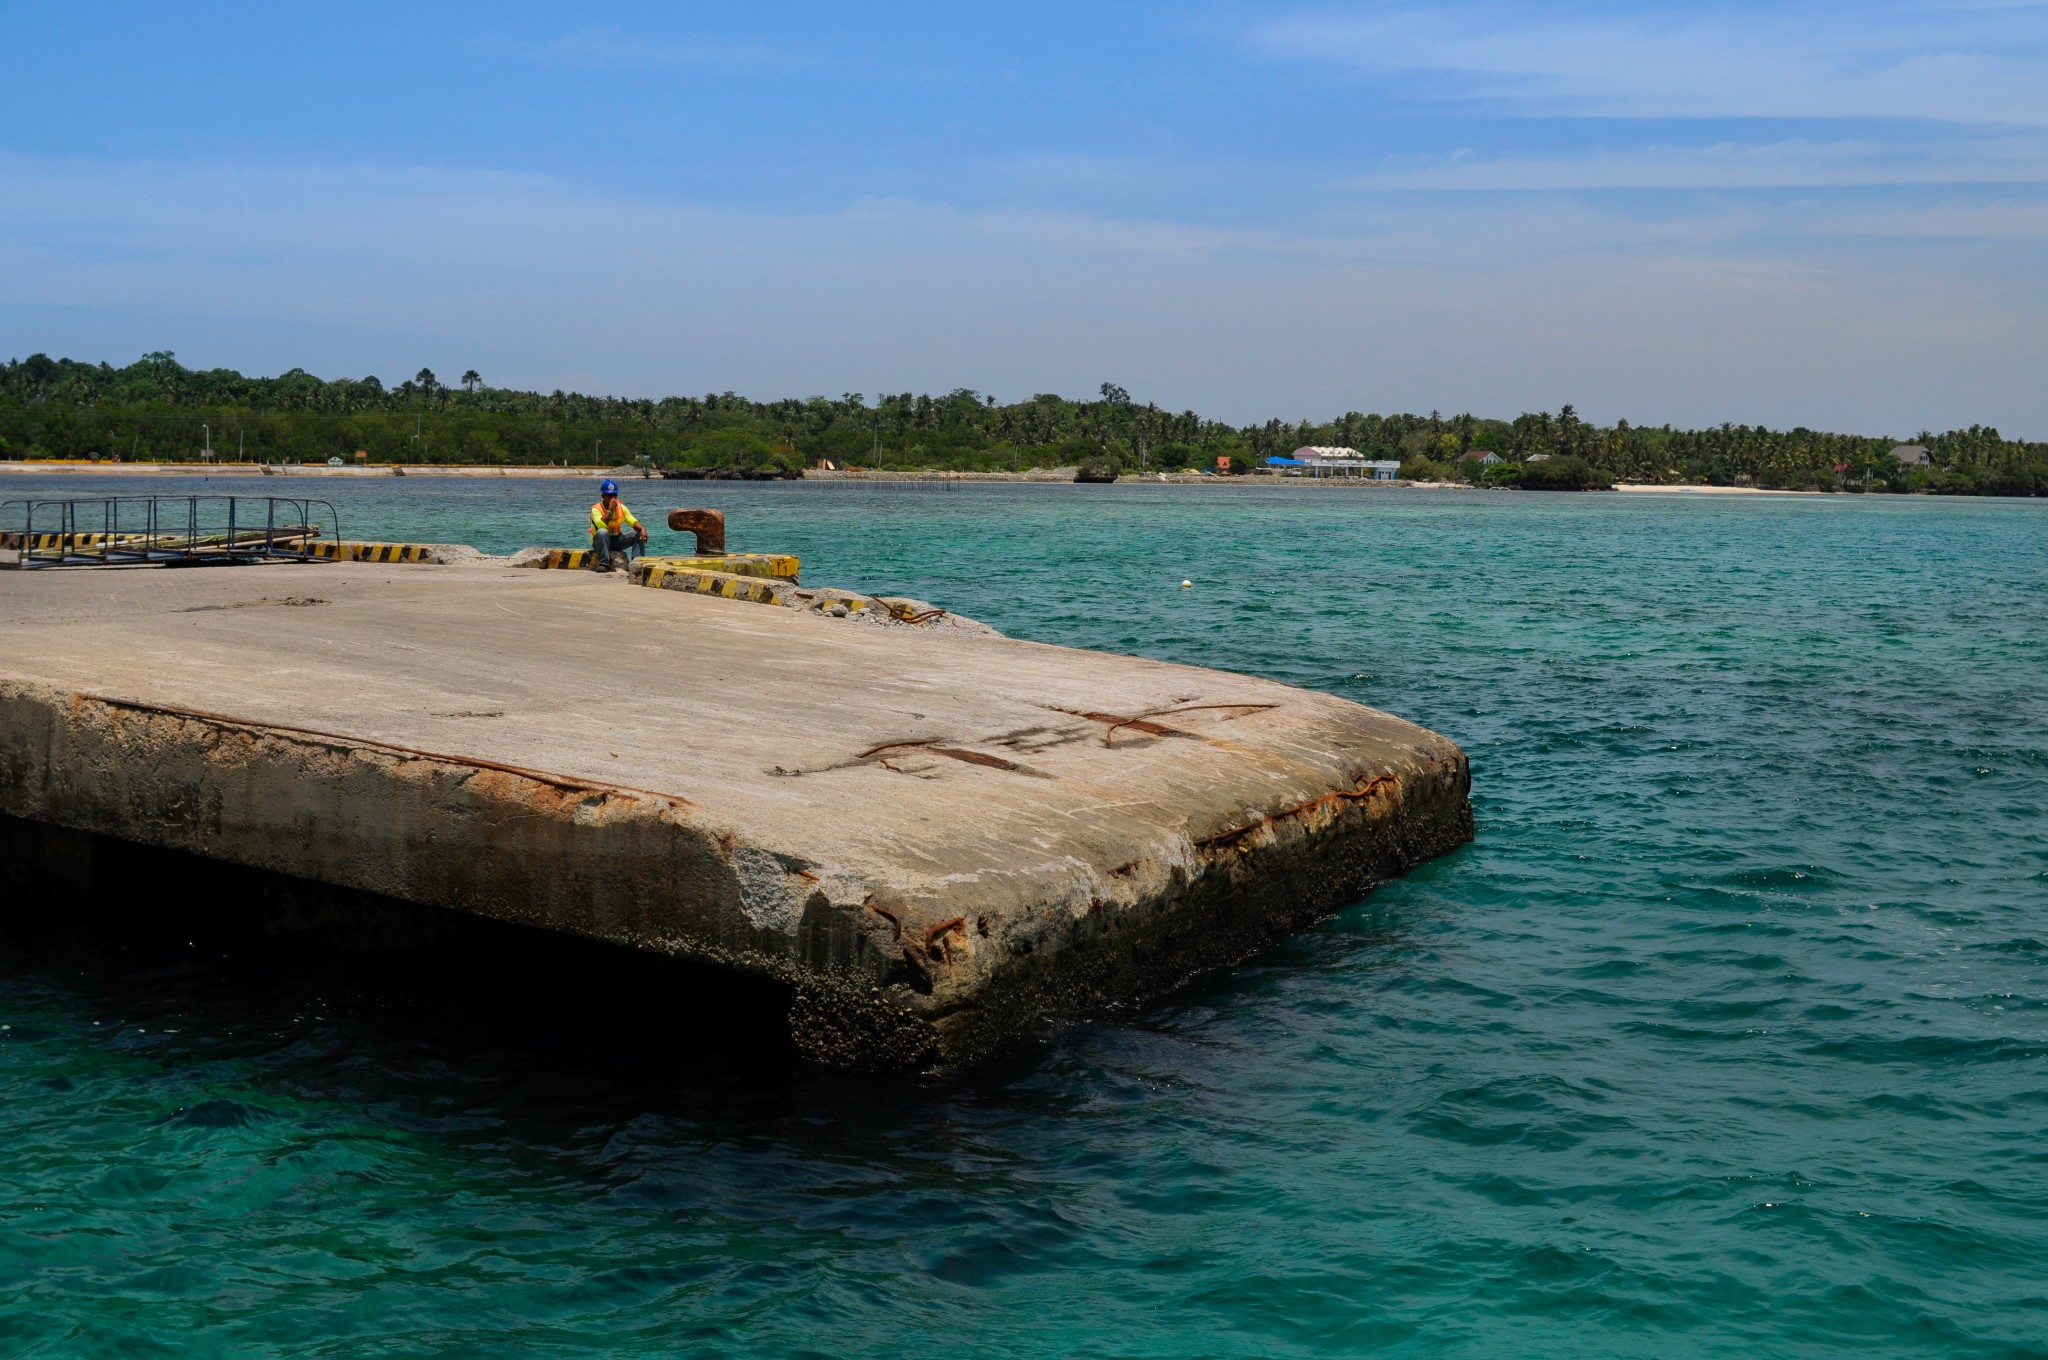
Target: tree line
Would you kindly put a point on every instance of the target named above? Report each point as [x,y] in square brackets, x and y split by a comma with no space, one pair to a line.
[157,409]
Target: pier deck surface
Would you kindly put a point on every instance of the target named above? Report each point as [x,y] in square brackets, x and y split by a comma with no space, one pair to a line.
[930,837]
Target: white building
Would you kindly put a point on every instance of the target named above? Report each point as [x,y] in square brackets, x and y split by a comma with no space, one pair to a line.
[1325,460]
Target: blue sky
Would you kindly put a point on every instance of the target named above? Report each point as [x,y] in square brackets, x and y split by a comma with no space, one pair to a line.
[1827,214]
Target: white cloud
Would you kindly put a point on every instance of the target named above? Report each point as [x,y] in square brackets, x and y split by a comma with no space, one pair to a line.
[1739,311]
[2020,159]
[1978,63]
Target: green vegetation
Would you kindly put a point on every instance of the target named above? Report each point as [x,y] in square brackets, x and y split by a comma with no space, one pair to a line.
[1568,473]
[156,409]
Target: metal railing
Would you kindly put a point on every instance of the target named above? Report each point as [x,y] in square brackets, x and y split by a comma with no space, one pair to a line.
[174,530]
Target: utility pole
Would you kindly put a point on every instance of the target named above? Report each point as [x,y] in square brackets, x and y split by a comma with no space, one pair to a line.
[206,454]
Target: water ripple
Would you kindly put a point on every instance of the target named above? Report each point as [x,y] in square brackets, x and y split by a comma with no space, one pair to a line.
[1729,1037]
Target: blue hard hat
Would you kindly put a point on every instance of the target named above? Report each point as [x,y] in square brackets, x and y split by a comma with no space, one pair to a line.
[610,488]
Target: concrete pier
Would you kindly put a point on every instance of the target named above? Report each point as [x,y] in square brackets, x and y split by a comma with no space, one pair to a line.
[932,837]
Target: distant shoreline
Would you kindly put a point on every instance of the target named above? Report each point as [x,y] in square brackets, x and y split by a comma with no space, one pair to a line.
[72,466]
[1054,476]
[1038,476]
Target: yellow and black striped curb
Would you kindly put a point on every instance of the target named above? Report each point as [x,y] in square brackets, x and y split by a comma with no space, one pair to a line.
[756,578]
[372,552]
[725,585]
[775,566]
[14,540]
[758,590]
[84,543]
[567,559]
[778,566]
[836,602]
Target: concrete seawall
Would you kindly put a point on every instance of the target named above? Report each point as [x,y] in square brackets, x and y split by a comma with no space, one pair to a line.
[932,837]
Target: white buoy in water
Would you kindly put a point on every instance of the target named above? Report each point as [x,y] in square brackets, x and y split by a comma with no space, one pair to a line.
[1187,585]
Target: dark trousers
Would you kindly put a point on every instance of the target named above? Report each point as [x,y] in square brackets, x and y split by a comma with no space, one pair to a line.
[623,543]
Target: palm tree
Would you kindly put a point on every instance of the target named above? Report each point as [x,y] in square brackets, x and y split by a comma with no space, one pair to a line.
[470,380]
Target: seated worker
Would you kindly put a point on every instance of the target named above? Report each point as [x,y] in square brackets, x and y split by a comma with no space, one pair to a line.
[613,528]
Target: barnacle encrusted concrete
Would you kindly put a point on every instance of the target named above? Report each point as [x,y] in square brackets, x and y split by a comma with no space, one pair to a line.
[931,837]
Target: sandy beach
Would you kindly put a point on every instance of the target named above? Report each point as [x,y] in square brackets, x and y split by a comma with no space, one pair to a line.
[1716,490]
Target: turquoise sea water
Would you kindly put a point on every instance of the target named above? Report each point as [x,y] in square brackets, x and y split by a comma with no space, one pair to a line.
[1728,1036]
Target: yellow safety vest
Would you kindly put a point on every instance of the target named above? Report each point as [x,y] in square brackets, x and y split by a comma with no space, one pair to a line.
[612,525]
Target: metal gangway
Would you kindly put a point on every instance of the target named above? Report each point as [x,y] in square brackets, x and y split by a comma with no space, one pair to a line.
[172,530]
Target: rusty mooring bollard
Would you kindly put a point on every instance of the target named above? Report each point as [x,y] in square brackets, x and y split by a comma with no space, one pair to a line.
[707,525]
